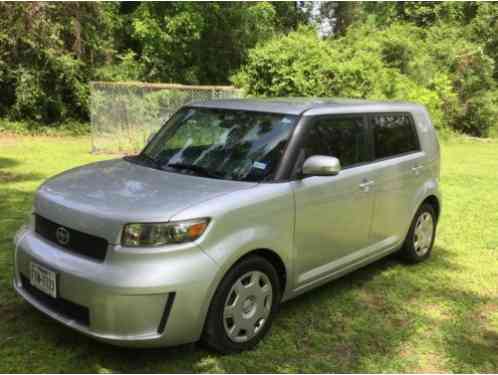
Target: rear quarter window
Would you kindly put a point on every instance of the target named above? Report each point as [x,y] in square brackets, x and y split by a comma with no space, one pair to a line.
[394,134]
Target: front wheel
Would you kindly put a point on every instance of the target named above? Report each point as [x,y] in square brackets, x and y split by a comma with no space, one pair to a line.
[420,239]
[243,306]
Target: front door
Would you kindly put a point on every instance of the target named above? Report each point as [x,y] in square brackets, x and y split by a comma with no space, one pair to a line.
[333,213]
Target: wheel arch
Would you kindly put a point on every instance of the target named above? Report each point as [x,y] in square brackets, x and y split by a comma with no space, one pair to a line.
[274,259]
[434,202]
[270,255]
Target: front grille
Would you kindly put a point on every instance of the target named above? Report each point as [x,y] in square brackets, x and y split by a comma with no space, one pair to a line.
[79,242]
[67,309]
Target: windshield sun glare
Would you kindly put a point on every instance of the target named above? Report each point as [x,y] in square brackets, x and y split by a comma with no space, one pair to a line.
[219,143]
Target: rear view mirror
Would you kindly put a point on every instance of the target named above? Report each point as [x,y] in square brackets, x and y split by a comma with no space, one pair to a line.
[319,165]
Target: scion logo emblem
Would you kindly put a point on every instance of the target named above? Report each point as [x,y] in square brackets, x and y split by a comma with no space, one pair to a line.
[62,235]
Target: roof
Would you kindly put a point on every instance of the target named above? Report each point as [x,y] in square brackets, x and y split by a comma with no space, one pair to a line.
[297,106]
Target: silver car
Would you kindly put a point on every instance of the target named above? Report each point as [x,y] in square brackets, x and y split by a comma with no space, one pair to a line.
[233,207]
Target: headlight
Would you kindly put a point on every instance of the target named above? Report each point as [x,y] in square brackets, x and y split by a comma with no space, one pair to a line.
[157,234]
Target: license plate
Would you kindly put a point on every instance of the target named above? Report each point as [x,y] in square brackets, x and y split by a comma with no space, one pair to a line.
[43,279]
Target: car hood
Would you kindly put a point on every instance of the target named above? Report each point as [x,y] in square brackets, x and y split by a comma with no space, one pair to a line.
[99,198]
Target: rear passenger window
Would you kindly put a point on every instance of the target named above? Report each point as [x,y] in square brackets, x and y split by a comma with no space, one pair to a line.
[342,137]
[394,134]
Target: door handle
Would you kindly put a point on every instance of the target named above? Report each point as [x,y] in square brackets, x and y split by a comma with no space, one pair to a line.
[416,169]
[365,185]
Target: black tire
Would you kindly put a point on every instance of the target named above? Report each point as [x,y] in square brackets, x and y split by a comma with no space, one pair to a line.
[214,334]
[408,251]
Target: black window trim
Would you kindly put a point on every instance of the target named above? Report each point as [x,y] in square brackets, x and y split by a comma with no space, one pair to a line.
[367,131]
[289,169]
[286,172]
[413,127]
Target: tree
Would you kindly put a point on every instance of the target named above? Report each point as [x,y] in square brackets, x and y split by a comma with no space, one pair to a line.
[203,42]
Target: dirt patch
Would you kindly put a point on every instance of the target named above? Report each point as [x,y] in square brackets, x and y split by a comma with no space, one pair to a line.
[7,140]
[372,300]
[487,317]
[436,312]
[487,310]
[432,364]
[344,352]
[6,177]
[10,311]
[398,322]
[427,362]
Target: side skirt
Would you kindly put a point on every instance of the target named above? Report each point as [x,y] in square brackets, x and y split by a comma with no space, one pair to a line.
[345,266]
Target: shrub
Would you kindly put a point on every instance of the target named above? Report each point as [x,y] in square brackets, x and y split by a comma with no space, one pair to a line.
[73,128]
[437,67]
[51,91]
[276,69]
[300,64]
[479,115]
[127,68]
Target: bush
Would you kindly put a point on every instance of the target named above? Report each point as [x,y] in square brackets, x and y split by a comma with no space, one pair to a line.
[50,93]
[126,69]
[300,64]
[479,115]
[275,69]
[34,128]
[47,56]
[437,67]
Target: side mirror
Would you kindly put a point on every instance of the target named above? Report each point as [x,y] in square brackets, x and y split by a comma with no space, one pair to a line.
[319,165]
[151,135]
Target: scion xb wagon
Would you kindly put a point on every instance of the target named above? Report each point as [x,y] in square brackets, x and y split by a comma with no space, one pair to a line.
[233,207]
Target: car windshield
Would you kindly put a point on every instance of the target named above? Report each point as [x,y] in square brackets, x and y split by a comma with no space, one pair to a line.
[220,143]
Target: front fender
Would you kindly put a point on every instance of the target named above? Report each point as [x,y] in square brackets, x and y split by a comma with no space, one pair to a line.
[241,222]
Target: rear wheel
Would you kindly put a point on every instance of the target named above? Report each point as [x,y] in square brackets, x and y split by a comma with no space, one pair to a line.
[243,306]
[420,239]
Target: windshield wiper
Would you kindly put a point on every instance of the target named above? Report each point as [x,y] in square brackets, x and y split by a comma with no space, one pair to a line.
[195,168]
[143,159]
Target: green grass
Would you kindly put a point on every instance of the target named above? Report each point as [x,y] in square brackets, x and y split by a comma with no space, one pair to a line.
[441,315]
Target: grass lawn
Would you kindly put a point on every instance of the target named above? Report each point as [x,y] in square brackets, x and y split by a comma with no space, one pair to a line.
[439,316]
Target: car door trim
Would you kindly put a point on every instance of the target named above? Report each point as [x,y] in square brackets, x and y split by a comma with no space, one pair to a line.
[345,264]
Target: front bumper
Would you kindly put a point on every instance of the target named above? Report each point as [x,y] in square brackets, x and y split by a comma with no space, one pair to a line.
[154,298]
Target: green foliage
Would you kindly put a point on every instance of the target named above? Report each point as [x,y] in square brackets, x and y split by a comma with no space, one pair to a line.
[443,54]
[277,68]
[199,42]
[166,34]
[437,66]
[47,51]
[62,76]
[420,13]
[484,29]
[126,67]
[68,128]
[50,51]
[479,115]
